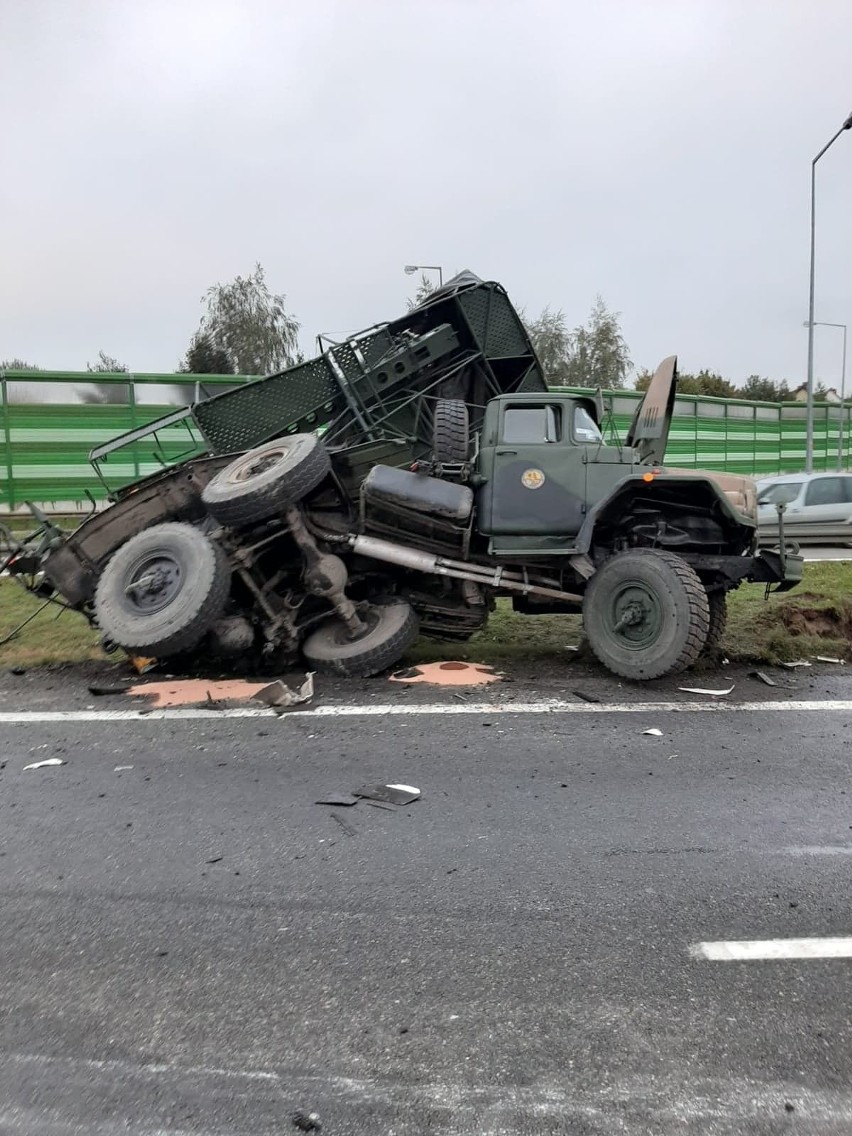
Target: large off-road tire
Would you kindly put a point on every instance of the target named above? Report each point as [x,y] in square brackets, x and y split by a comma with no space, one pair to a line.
[162,590]
[265,480]
[391,629]
[451,432]
[718,604]
[646,614]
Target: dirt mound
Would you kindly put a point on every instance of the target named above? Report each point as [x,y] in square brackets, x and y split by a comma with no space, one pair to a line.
[829,621]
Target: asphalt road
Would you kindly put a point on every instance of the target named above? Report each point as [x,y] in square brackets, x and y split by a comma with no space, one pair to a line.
[193,946]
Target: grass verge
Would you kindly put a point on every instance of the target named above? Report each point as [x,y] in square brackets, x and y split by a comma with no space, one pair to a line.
[815,619]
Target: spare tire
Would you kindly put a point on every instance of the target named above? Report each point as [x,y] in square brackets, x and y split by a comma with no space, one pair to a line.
[162,591]
[265,480]
[391,629]
[451,432]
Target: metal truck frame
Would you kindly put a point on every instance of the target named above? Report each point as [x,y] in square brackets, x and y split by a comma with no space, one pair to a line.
[399,484]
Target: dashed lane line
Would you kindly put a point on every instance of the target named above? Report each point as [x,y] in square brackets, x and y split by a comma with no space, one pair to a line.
[762,950]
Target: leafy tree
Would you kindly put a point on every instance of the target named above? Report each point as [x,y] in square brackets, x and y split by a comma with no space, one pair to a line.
[598,352]
[704,383]
[17,365]
[763,390]
[424,290]
[203,357]
[551,340]
[112,395]
[250,324]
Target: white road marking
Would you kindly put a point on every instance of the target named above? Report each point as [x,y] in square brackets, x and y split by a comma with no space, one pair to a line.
[381,710]
[755,950]
[818,850]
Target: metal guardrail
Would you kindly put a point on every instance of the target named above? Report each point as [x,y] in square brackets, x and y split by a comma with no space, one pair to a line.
[45,444]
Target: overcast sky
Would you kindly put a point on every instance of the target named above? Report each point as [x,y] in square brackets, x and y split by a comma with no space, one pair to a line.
[654,151]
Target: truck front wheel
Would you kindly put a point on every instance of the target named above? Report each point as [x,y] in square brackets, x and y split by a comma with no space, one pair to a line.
[646,614]
[389,631]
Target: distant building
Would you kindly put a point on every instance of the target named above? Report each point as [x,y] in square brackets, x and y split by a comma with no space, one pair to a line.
[800,394]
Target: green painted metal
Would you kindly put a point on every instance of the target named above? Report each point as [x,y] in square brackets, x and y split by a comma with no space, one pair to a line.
[46,443]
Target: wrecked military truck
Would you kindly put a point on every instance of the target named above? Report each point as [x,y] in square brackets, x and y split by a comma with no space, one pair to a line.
[397,485]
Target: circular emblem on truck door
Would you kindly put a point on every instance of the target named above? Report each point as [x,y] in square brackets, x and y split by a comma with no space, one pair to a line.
[532,479]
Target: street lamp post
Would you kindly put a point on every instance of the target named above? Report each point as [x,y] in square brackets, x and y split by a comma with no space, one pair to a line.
[809,439]
[843,327]
[410,269]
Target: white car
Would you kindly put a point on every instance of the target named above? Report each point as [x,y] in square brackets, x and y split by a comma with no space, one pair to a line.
[819,507]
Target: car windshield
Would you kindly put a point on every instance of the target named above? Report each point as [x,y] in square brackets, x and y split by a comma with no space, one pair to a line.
[782,493]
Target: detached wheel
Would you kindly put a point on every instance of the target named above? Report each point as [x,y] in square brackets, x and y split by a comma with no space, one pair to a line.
[265,480]
[646,614]
[162,590]
[718,616]
[391,629]
[451,431]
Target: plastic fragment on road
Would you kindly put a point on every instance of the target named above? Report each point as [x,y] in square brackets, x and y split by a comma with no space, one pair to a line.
[448,674]
[346,800]
[306,1121]
[797,663]
[48,761]
[707,690]
[653,732]
[196,691]
[121,768]
[581,694]
[764,677]
[279,695]
[347,828]
[391,794]
[829,659]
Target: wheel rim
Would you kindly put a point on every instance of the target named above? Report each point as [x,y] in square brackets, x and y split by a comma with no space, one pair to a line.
[153,582]
[634,616]
[262,463]
[339,633]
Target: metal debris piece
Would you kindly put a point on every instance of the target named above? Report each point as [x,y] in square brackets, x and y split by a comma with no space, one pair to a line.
[214,859]
[391,794]
[706,690]
[379,805]
[763,676]
[121,768]
[797,663]
[43,764]
[347,828]
[344,799]
[306,1121]
[280,696]
[585,697]
[829,659]
[654,732]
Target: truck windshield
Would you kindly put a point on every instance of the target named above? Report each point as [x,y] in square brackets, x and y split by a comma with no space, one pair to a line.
[585,427]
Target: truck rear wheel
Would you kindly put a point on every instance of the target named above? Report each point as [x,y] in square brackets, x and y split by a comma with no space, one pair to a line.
[391,629]
[451,432]
[265,480]
[162,590]
[718,605]
[646,614]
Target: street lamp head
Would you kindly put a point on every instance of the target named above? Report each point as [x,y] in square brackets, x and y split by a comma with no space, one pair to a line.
[410,269]
[847,125]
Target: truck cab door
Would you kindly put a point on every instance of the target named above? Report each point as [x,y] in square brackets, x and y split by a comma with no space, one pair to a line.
[534,474]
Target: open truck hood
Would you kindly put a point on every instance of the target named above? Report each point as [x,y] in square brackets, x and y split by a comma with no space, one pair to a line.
[649,430]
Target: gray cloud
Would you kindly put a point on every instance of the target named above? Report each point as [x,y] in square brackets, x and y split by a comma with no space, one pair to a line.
[655,151]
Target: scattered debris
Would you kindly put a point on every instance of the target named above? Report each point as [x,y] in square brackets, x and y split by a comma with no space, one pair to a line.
[829,659]
[391,794]
[569,647]
[307,1121]
[347,828]
[797,663]
[196,691]
[142,665]
[344,799]
[121,768]
[43,764]
[17,670]
[654,732]
[449,674]
[763,676]
[280,696]
[105,690]
[585,697]
[726,662]
[214,859]
[706,690]
[379,805]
